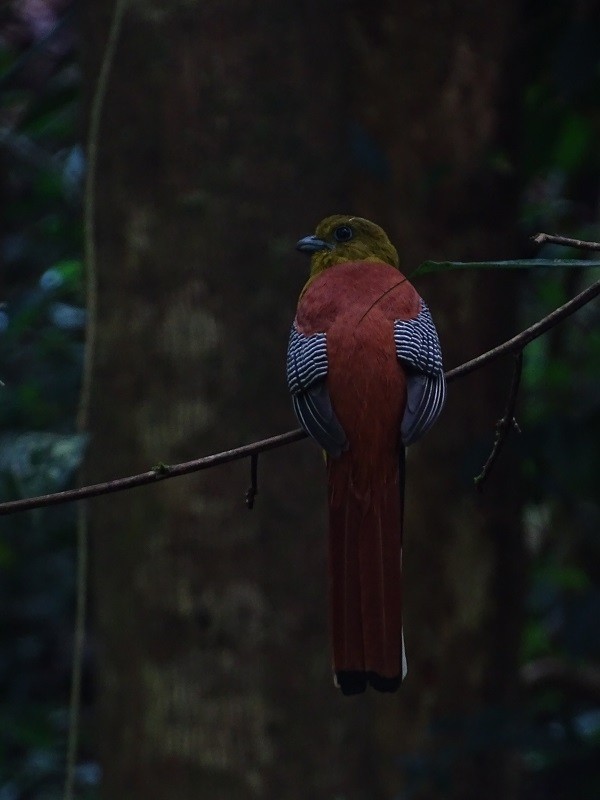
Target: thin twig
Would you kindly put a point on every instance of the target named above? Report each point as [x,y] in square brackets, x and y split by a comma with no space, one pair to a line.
[542,238]
[158,473]
[504,425]
[253,489]
[162,471]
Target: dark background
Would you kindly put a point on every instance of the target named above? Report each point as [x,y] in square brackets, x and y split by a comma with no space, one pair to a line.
[226,132]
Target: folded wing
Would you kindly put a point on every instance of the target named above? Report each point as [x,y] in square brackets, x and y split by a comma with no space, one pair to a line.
[306,374]
[418,348]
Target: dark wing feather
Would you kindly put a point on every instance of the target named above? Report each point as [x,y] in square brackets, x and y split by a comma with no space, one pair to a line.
[418,347]
[315,414]
[306,373]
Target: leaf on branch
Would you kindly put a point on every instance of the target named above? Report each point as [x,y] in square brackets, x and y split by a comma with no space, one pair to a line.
[522,263]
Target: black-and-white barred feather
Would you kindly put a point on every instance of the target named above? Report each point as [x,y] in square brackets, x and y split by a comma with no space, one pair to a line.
[418,347]
[306,372]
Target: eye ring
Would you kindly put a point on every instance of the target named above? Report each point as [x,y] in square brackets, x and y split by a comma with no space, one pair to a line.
[343,234]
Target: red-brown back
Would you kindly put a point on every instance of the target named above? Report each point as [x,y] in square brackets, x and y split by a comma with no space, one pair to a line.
[356,305]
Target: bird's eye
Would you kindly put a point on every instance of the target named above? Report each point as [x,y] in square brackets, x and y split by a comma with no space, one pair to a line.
[343,234]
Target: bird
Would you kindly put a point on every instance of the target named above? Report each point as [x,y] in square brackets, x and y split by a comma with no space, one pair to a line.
[364,369]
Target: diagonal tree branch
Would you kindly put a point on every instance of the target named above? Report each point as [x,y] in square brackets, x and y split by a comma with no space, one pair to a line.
[164,471]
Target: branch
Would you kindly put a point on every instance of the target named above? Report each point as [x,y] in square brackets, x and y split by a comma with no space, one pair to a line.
[158,473]
[164,471]
[504,425]
[542,238]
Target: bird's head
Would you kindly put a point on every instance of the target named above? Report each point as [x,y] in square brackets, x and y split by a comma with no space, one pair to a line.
[341,238]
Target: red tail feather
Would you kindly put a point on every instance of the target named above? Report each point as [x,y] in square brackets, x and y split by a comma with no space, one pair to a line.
[365,580]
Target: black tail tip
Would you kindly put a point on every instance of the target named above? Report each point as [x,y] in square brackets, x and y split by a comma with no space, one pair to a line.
[356,682]
[382,684]
[351,681]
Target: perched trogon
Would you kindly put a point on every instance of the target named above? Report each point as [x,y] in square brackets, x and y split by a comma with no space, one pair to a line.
[364,368]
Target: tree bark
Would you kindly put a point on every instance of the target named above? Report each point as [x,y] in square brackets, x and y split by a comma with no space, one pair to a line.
[220,147]
[225,136]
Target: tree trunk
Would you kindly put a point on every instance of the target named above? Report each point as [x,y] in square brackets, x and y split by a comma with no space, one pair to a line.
[224,138]
[219,126]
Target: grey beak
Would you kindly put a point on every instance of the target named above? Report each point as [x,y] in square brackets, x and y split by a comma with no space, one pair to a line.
[310,244]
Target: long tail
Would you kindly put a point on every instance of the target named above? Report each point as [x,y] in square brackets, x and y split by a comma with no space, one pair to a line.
[365,575]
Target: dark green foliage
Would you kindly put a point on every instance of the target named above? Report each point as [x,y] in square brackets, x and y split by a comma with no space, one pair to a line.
[41,342]
[560,412]
[36,598]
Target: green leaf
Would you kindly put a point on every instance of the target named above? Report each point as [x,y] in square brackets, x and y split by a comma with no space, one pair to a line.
[523,263]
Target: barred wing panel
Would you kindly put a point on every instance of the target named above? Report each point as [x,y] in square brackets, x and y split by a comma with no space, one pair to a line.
[306,374]
[418,348]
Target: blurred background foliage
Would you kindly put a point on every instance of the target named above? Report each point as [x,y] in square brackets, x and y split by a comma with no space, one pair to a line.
[42,318]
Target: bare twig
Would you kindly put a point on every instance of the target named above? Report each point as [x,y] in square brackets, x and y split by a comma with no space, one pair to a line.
[253,489]
[158,473]
[543,238]
[162,471]
[504,425]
